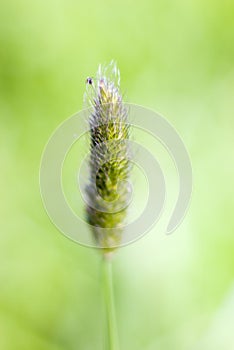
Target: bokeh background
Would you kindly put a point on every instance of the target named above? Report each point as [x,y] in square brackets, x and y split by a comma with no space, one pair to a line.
[175,57]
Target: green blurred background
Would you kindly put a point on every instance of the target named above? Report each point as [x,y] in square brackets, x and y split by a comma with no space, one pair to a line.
[175,57]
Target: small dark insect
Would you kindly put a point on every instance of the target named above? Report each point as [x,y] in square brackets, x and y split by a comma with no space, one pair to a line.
[89,81]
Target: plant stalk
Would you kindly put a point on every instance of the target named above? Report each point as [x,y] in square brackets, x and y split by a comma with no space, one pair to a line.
[112,331]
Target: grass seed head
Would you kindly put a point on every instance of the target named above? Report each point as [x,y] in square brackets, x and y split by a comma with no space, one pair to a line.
[108,188]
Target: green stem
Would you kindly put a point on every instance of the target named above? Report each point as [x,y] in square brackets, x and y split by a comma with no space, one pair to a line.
[112,333]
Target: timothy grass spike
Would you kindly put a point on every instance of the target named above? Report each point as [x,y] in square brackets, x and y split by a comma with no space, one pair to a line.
[108,188]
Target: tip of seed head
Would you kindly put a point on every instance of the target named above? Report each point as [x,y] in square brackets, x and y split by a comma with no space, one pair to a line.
[89,81]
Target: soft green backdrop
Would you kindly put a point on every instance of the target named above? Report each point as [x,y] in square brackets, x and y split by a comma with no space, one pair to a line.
[176,57]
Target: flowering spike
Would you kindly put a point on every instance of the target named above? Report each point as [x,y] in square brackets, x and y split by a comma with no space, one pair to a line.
[109,157]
